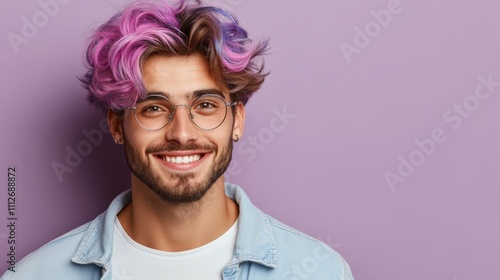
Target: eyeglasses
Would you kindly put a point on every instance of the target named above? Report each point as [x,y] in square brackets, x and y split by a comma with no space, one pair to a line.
[207,111]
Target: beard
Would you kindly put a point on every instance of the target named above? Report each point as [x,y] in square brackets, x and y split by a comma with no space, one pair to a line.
[180,187]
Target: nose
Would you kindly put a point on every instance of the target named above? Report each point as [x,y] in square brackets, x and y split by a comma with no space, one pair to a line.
[181,129]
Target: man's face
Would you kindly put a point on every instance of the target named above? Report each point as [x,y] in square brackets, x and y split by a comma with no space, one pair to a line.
[179,162]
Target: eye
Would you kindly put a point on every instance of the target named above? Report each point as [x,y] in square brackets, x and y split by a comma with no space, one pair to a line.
[153,109]
[205,105]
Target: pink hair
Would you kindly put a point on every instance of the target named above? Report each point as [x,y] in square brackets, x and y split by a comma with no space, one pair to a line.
[117,50]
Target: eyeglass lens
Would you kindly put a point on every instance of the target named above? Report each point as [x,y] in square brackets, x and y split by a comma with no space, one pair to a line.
[207,112]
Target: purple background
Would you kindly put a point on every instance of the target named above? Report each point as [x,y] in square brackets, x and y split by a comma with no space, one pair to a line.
[321,171]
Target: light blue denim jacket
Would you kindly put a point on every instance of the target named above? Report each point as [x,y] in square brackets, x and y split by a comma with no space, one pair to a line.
[265,249]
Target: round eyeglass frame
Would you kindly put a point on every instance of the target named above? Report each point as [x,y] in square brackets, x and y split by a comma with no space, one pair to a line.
[191,117]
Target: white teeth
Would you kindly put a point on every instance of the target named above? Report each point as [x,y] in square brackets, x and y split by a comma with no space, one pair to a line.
[184,159]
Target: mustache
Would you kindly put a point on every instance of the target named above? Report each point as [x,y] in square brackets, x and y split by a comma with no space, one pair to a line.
[175,146]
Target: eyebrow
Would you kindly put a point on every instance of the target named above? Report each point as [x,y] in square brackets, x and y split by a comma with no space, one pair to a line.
[190,95]
[201,92]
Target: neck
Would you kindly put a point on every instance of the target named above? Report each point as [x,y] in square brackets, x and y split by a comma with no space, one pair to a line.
[165,226]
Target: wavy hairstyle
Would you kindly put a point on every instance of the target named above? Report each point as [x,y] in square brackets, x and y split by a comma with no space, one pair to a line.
[118,49]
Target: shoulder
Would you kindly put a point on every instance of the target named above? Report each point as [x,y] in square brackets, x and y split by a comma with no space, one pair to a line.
[303,255]
[52,260]
[291,253]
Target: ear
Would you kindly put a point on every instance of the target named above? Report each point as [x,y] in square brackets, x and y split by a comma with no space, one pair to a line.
[239,122]
[115,126]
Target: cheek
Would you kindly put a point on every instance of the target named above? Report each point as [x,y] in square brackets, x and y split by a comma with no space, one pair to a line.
[223,137]
[135,135]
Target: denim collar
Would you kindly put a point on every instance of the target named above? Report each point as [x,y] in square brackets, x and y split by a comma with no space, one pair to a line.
[255,241]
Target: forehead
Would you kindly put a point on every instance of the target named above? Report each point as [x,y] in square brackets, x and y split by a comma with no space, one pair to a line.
[177,76]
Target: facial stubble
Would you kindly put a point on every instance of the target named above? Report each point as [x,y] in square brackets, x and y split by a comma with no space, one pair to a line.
[183,187]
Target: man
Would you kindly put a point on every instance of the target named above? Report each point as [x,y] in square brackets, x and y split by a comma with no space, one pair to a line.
[174,82]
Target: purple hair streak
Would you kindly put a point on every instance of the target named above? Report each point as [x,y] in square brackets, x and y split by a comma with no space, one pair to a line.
[117,50]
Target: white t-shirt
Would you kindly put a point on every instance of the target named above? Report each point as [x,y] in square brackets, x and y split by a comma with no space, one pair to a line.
[133,261]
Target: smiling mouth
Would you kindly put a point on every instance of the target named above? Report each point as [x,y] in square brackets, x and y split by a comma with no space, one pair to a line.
[182,159]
